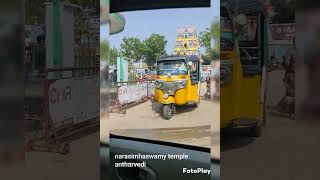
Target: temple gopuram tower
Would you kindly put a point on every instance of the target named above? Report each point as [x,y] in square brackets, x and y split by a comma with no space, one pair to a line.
[187,42]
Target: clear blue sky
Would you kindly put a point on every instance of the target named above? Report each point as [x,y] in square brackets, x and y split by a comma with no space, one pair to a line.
[142,24]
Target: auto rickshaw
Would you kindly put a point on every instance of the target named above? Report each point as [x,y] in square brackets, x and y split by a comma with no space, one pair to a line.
[177,83]
[243,65]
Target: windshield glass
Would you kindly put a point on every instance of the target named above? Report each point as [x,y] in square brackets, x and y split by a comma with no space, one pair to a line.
[226,30]
[172,67]
[144,48]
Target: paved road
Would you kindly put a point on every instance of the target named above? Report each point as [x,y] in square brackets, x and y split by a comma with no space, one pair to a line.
[188,126]
[272,156]
[82,163]
[198,136]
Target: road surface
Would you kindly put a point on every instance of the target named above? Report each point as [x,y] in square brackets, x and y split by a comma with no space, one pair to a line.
[189,126]
[197,136]
[277,155]
[82,163]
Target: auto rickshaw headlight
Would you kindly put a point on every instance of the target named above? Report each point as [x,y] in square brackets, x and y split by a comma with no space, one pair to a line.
[182,84]
[157,84]
[165,96]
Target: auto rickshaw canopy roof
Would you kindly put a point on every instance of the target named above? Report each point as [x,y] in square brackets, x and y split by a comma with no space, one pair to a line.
[192,58]
[134,5]
[246,6]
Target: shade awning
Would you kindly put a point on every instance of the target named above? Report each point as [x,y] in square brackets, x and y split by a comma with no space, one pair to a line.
[115,20]
[134,5]
[246,6]
[117,23]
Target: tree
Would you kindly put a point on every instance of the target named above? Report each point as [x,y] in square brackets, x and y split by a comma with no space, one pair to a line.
[81,27]
[215,36]
[205,39]
[36,11]
[104,50]
[154,48]
[107,53]
[148,50]
[285,10]
[132,48]
[205,42]
[209,39]
[113,54]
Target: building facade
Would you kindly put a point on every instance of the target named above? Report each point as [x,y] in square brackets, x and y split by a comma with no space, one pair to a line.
[187,42]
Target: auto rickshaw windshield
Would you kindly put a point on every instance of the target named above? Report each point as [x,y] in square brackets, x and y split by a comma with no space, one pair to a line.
[226,30]
[176,67]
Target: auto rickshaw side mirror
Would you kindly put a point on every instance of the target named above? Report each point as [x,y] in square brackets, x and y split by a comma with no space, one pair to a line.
[241,19]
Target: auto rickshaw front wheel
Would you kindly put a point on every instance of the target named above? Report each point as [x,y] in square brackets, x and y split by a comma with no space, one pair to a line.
[167,111]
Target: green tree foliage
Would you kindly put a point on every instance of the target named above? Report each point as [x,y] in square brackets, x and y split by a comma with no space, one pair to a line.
[148,50]
[154,48]
[81,27]
[132,48]
[215,36]
[104,50]
[113,54]
[209,39]
[285,10]
[107,53]
[36,11]
[205,39]
[205,42]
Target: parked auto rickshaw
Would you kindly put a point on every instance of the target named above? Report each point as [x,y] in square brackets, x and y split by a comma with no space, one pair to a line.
[177,83]
[243,65]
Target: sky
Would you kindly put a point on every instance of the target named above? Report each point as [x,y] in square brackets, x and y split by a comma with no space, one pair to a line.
[142,24]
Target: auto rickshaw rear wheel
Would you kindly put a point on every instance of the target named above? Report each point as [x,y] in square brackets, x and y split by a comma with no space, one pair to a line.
[196,105]
[167,111]
[256,131]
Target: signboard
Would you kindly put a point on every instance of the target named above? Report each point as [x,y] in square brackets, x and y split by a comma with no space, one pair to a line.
[283,31]
[60,36]
[131,93]
[76,99]
[122,69]
[205,68]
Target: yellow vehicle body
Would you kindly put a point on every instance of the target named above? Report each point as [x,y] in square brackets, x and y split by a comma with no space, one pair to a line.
[240,98]
[187,95]
[242,95]
[177,83]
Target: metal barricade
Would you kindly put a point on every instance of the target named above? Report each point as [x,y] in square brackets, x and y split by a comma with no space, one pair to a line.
[62,123]
[131,93]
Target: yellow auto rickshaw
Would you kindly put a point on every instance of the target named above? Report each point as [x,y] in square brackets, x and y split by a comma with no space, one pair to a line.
[177,83]
[243,65]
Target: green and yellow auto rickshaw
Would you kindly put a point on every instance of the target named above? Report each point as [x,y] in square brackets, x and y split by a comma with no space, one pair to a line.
[177,83]
[243,65]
